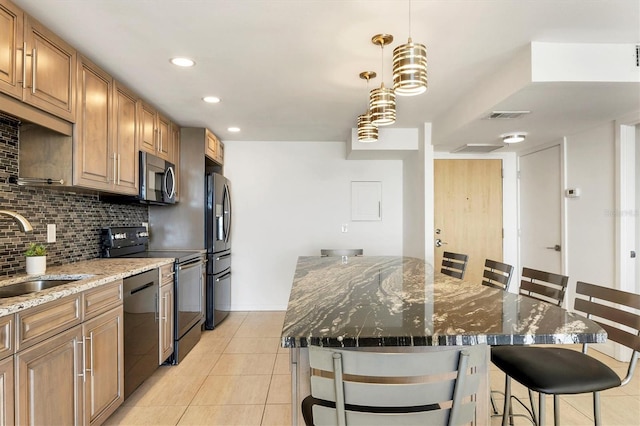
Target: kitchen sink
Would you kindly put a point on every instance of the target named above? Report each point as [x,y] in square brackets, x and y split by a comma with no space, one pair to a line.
[32,286]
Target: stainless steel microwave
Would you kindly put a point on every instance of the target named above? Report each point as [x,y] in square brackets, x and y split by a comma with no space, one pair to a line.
[157,180]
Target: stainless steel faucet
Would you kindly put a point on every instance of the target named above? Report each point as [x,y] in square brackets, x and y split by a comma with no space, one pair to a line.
[24,224]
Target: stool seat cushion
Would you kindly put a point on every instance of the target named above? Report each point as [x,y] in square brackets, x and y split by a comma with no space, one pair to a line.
[553,370]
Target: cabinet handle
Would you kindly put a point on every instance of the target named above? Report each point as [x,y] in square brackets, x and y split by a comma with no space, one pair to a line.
[160,138]
[81,342]
[118,169]
[164,308]
[34,64]
[114,168]
[24,65]
[90,339]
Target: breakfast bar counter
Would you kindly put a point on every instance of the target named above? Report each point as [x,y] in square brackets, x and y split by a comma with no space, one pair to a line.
[396,301]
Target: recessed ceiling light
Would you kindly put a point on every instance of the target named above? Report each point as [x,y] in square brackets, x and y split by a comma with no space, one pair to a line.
[211,99]
[514,137]
[233,129]
[183,62]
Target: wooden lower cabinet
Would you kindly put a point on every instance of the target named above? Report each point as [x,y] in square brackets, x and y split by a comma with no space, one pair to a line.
[104,372]
[49,385]
[73,378]
[6,392]
[166,321]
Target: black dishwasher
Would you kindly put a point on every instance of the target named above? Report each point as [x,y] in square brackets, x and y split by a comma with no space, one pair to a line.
[141,328]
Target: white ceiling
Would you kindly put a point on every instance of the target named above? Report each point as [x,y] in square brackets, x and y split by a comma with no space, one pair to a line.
[287,70]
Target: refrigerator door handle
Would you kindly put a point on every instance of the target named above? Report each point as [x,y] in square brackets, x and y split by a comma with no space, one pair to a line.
[227,212]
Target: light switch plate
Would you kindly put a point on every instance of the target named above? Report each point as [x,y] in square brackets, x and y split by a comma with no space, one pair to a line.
[51,233]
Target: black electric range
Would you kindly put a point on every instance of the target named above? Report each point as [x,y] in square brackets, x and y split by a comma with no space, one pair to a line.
[188,268]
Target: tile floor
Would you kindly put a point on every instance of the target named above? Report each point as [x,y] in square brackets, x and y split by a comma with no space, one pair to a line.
[239,375]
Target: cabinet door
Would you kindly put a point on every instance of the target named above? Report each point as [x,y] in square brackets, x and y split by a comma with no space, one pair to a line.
[6,392]
[164,147]
[212,145]
[11,36]
[49,384]
[50,71]
[147,120]
[166,310]
[94,157]
[125,123]
[104,390]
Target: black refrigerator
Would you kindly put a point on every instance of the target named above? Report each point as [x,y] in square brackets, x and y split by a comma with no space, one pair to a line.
[218,246]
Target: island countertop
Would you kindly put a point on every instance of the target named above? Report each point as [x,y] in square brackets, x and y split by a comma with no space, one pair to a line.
[89,274]
[400,301]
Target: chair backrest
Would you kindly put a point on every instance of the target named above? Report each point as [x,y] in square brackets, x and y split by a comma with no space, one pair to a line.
[622,323]
[341,252]
[454,264]
[497,274]
[545,286]
[380,388]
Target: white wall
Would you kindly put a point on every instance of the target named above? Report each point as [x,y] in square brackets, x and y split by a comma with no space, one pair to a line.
[637,212]
[290,199]
[414,199]
[590,166]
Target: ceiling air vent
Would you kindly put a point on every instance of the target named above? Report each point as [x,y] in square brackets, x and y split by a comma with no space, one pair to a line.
[506,115]
[472,148]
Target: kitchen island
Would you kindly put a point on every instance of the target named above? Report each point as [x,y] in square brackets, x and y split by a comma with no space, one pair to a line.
[397,301]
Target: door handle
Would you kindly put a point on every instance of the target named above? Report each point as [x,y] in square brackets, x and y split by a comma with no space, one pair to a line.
[556,247]
[439,242]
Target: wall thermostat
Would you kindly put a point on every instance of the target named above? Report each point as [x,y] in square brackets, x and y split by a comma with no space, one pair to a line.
[572,193]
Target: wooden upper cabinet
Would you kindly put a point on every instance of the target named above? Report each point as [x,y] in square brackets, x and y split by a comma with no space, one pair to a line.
[50,71]
[11,42]
[164,147]
[95,162]
[214,148]
[147,120]
[125,130]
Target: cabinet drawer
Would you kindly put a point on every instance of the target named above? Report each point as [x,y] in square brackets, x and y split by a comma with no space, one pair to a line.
[6,336]
[101,299]
[166,274]
[36,324]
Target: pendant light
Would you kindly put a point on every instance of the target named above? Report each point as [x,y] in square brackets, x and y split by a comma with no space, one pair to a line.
[367,132]
[410,67]
[382,101]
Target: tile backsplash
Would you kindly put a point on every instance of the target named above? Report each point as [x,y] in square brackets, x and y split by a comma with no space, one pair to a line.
[78,216]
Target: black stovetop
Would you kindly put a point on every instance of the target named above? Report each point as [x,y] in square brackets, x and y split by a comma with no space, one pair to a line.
[133,241]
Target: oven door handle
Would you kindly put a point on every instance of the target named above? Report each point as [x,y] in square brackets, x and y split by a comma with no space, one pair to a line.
[224,277]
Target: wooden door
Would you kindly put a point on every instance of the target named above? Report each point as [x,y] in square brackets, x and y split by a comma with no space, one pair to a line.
[163,147]
[104,386]
[147,121]
[50,71]
[540,210]
[468,211]
[48,382]
[166,309]
[11,36]
[94,158]
[6,392]
[125,130]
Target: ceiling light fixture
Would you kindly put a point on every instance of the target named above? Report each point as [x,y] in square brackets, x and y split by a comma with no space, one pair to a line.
[211,99]
[410,67]
[367,132]
[514,137]
[382,101]
[233,129]
[183,62]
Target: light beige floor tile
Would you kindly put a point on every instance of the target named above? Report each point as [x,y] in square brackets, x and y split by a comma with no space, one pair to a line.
[240,415]
[253,345]
[233,390]
[244,364]
[615,410]
[142,416]
[210,346]
[282,350]
[279,389]
[262,324]
[283,363]
[166,390]
[192,365]
[229,326]
[277,415]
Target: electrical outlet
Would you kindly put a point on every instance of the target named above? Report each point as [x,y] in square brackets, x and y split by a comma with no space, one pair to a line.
[345,227]
[51,233]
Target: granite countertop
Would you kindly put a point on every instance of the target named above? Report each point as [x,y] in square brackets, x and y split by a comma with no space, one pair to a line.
[92,273]
[400,301]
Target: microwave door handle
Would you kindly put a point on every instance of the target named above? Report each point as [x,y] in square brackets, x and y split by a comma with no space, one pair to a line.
[169,191]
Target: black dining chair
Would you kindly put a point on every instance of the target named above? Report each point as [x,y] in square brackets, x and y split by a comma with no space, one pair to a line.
[454,264]
[547,287]
[371,387]
[497,274]
[341,252]
[560,371]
